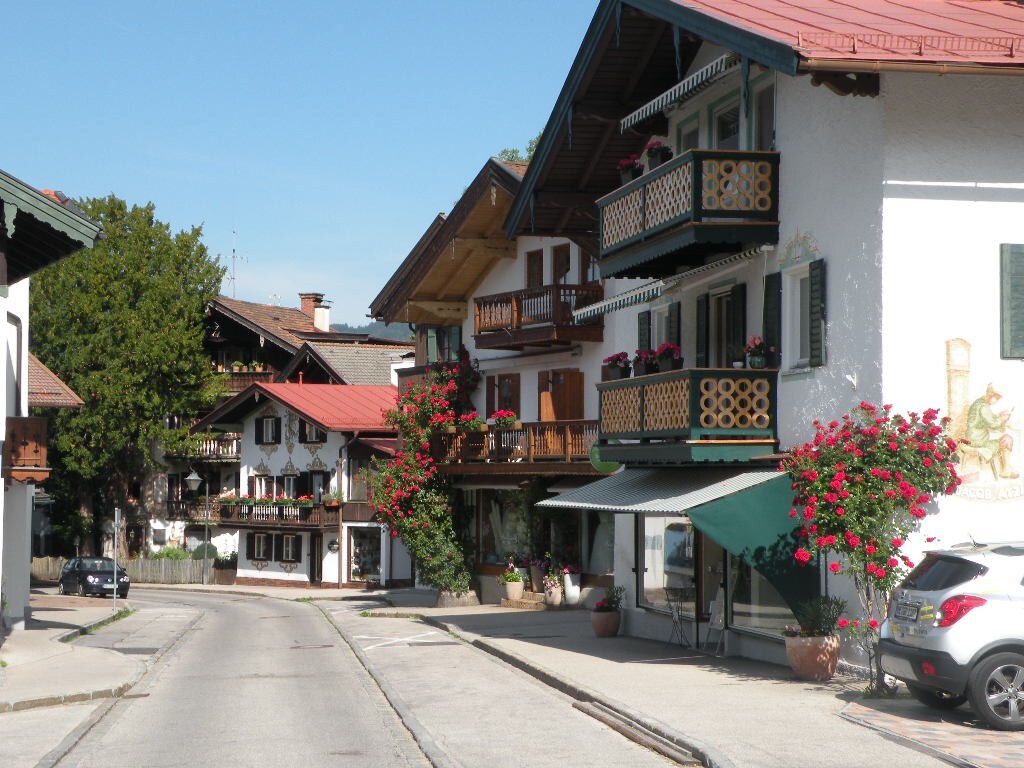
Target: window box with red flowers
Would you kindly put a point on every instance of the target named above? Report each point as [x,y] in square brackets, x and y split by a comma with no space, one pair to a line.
[669,357]
[645,362]
[616,366]
[657,153]
[630,168]
[506,419]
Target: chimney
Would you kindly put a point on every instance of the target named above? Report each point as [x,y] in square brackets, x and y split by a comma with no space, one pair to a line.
[322,318]
[310,301]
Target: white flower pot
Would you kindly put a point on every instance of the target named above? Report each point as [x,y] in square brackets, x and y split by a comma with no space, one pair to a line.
[571,588]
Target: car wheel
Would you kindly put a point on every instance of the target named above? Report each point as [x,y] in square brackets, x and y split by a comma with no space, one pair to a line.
[81,590]
[935,699]
[60,587]
[996,691]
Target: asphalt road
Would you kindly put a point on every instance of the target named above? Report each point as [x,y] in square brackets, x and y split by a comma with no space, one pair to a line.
[252,681]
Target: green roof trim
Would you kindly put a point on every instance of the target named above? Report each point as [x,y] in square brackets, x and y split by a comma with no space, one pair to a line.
[34,203]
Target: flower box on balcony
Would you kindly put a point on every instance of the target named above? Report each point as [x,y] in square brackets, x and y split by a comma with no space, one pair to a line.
[657,153]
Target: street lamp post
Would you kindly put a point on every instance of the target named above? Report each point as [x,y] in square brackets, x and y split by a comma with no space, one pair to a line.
[193,480]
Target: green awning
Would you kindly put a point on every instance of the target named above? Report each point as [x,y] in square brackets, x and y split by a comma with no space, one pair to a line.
[746,511]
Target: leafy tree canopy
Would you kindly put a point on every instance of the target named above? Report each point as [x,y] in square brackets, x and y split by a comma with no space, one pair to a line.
[122,324]
[514,155]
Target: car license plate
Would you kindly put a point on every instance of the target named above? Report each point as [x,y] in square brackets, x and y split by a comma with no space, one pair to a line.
[108,586]
[905,612]
[900,668]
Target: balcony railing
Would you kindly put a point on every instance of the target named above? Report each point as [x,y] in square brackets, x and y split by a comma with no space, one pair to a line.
[226,446]
[270,515]
[538,316]
[536,441]
[237,381]
[698,186]
[696,413]
[24,455]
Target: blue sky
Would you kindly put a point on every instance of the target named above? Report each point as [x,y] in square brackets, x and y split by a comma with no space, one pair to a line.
[324,135]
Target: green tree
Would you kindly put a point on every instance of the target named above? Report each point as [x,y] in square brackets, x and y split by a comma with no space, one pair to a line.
[122,324]
[515,155]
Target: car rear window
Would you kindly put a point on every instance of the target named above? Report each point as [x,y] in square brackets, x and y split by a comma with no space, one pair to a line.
[938,572]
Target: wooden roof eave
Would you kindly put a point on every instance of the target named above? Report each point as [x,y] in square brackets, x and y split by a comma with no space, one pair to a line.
[250,325]
[771,53]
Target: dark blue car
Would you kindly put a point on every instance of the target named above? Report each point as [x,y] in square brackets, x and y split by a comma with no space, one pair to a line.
[92,576]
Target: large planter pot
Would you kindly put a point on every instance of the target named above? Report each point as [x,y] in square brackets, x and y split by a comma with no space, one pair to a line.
[456,599]
[514,590]
[536,578]
[757,361]
[553,596]
[571,588]
[605,623]
[627,175]
[813,658]
[616,372]
[644,369]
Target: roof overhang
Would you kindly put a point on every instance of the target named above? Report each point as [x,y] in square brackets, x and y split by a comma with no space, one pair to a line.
[245,322]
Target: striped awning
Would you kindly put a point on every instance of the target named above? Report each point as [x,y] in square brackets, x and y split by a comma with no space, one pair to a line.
[639,295]
[660,491]
[692,85]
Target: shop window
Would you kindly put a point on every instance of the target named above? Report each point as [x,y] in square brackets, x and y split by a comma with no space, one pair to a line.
[597,542]
[754,603]
[364,554]
[502,525]
[671,567]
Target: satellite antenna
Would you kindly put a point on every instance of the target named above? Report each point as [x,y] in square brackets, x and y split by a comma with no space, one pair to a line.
[232,277]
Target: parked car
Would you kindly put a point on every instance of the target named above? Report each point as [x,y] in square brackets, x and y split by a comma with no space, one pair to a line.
[955,632]
[92,576]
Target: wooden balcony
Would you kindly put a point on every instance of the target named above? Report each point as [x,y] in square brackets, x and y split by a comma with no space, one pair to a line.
[24,456]
[699,202]
[536,448]
[690,415]
[237,381]
[254,515]
[540,317]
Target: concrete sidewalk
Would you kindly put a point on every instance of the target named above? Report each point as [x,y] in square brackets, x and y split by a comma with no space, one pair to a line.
[737,712]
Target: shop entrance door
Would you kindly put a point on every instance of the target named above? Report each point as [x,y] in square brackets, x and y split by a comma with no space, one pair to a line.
[316,558]
[364,554]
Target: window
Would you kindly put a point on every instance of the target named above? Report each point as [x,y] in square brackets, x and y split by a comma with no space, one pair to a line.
[261,546]
[560,264]
[357,467]
[670,571]
[289,486]
[589,269]
[721,325]
[308,433]
[727,127]
[754,603]
[291,549]
[443,343]
[803,315]
[764,119]
[534,269]
[268,430]
[1011,301]
[689,134]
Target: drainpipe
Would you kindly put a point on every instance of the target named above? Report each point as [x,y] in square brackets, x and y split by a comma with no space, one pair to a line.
[16,321]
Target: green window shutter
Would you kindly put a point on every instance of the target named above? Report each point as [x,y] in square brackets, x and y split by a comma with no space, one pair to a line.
[674,321]
[249,548]
[816,319]
[490,390]
[702,331]
[1011,301]
[643,330]
[771,322]
[456,333]
[278,554]
[277,430]
[736,332]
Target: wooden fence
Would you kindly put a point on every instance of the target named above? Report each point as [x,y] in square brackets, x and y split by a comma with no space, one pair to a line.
[140,571]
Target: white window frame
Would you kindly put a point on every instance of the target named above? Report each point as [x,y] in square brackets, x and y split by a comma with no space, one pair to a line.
[718,297]
[795,317]
[756,114]
[261,546]
[291,548]
[267,430]
[687,125]
[659,325]
[291,486]
[727,106]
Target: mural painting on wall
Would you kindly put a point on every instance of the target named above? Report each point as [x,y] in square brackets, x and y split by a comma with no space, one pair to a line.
[985,422]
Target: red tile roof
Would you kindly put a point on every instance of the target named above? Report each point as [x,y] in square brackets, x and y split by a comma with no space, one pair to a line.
[45,390]
[917,31]
[388,445]
[336,407]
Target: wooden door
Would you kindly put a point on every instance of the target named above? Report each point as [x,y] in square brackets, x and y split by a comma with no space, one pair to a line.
[560,394]
[316,546]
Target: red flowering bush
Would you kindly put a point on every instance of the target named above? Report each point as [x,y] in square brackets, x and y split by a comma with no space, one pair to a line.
[407,492]
[504,418]
[860,487]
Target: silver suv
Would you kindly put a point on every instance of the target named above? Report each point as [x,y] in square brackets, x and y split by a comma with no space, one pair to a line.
[955,632]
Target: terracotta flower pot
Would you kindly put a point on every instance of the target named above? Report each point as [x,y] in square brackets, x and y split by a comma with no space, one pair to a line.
[605,623]
[514,590]
[813,658]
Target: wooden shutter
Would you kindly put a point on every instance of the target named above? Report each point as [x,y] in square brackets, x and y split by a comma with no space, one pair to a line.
[251,485]
[643,330]
[535,269]
[277,430]
[1011,301]
[567,394]
[674,323]
[490,395]
[278,553]
[736,330]
[701,326]
[816,319]
[507,392]
[250,545]
[545,405]
[771,322]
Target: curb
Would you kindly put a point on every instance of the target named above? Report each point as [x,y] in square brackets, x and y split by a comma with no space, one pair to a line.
[434,753]
[709,756]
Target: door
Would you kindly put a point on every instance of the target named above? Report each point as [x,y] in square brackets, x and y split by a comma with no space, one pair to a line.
[560,398]
[316,557]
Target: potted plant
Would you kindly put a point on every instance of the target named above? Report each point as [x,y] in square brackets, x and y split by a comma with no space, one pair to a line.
[617,366]
[669,357]
[757,350]
[538,567]
[645,362]
[331,499]
[571,584]
[657,153]
[553,587]
[812,648]
[306,501]
[605,617]
[512,580]
[237,366]
[258,367]
[630,168]
[505,419]
[471,422]
[737,356]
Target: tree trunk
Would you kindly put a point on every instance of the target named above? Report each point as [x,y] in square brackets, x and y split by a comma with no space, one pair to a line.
[85,511]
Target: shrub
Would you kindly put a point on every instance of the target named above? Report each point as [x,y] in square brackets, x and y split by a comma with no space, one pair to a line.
[209,549]
[170,553]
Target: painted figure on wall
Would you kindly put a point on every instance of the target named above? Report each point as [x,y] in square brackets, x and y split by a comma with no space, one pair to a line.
[987,433]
